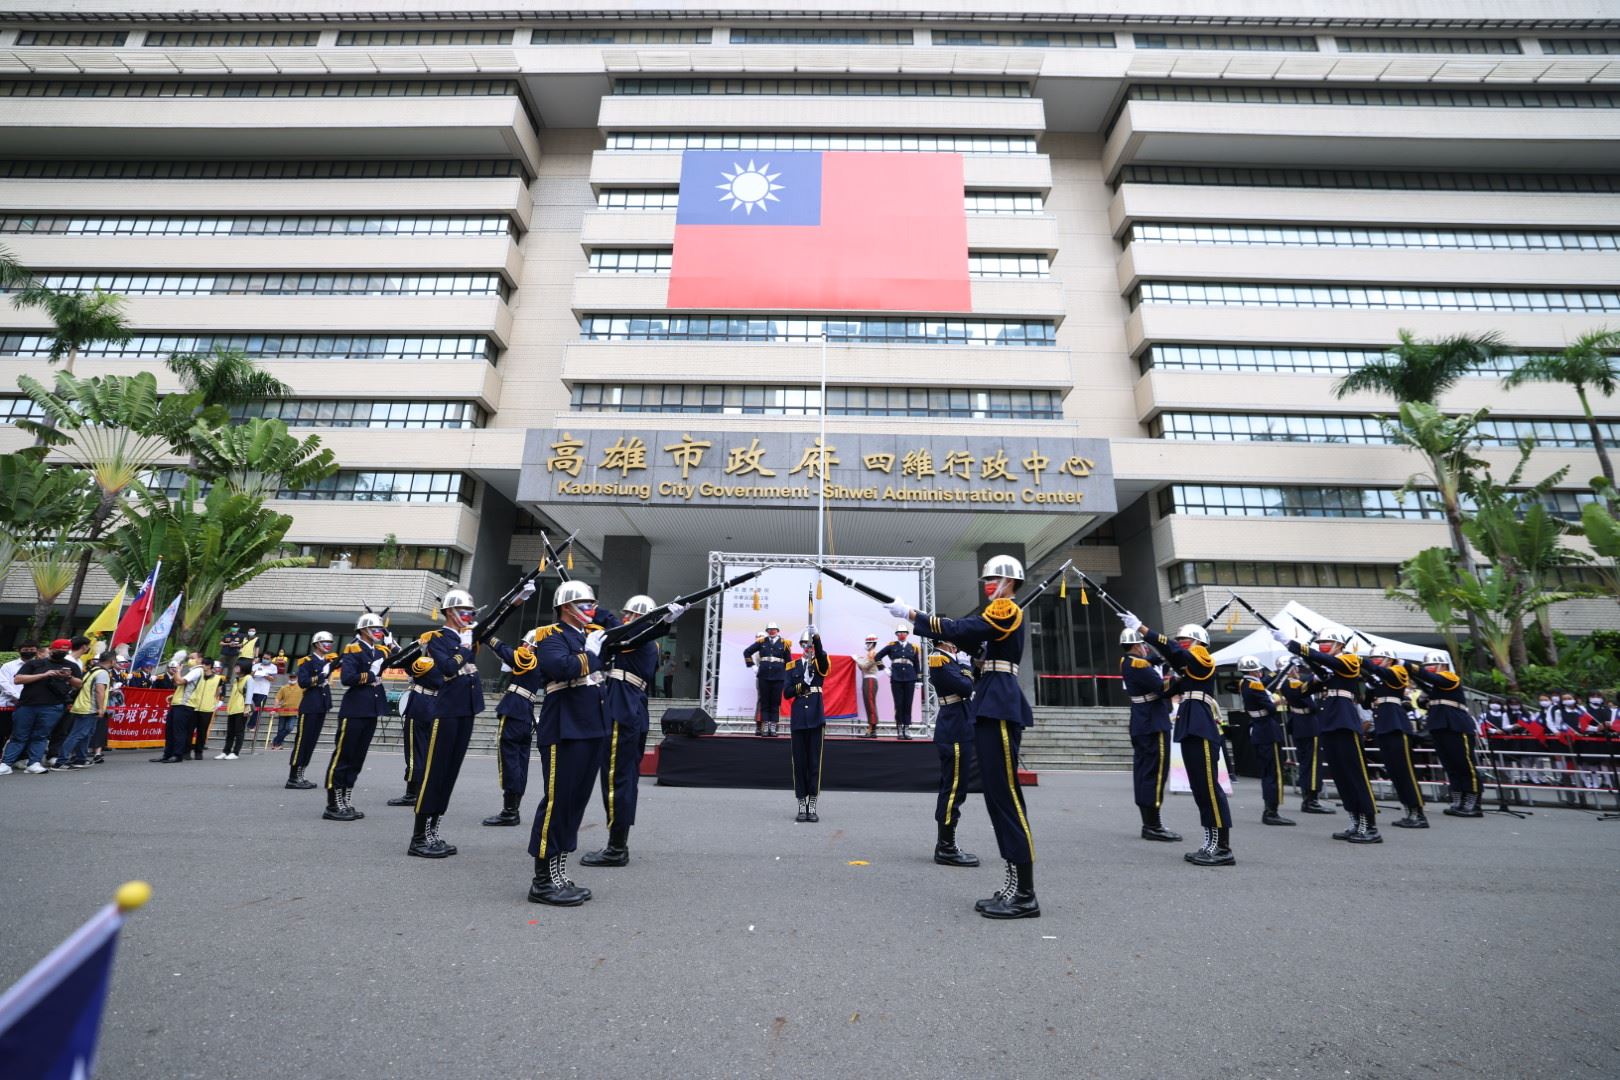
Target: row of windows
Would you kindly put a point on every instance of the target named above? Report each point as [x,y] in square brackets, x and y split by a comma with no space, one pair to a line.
[766,142]
[1304,361]
[68,39]
[1581,46]
[875,330]
[442,560]
[412,487]
[316,412]
[13,409]
[495,225]
[281,284]
[631,260]
[1238,500]
[1425,97]
[1184,576]
[817,35]
[1166,232]
[315,89]
[424,37]
[1379,180]
[1005,202]
[269,346]
[825,87]
[1026,39]
[998,265]
[622,36]
[231,39]
[976,202]
[258,170]
[745,400]
[1434,45]
[1243,42]
[1360,297]
[1263,427]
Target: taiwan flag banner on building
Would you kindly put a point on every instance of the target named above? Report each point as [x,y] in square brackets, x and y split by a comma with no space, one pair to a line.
[820,231]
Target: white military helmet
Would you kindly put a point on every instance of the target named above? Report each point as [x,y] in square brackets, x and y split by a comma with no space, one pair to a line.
[1249,663]
[1002,566]
[871,639]
[572,592]
[1439,658]
[369,621]
[805,637]
[1333,634]
[902,628]
[458,599]
[321,638]
[1381,652]
[1195,632]
[639,605]
[773,625]
[1130,637]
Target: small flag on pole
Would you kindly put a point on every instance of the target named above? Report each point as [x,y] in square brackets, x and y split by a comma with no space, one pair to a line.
[140,609]
[107,621]
[150,652]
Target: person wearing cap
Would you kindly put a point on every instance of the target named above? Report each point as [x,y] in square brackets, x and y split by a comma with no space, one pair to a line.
[1451,727]
[807,720]
[867,663]
[628,665]
[45,686]
[569,736]
[364,699]
[1000,713]
[1265,735]
[952,680]
[1197,729]
[1389,680]
[1339,670]
[770,657]
[78,653]
[1145,684]
[905,661]
[314,676]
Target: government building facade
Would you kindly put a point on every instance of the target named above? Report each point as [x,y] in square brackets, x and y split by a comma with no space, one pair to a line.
[452,233]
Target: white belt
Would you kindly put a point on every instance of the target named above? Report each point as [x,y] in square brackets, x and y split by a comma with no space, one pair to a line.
[529,695]
[1450,704]
[1298,711]
[1388,701]
[553,687]
[769,659]
[951,699]
[1145,698]
[809,690]
[1261,714]
[1006,666]
[1340,693]
[628,676]
[1198,695]
[424,691]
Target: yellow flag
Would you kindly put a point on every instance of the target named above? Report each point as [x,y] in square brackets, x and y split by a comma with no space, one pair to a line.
[107,621]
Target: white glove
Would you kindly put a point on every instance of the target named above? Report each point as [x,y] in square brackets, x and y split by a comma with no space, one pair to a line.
[593,642]
[1281,637]
[527,591]
[377,666]
[900,609]
[1130,620]
[675,611]
[466,639]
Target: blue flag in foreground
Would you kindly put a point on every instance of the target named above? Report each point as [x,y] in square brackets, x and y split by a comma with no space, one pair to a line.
[150,653]
[49,1020]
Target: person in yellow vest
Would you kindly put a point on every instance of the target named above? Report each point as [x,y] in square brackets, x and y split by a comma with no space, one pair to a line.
[177,728]
[87,707]
[236,710]
[202,701]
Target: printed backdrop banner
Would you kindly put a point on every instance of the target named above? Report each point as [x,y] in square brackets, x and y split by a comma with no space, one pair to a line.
[1181,785]
[843,616]
[139,721]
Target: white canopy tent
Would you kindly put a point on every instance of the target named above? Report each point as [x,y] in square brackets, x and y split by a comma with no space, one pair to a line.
[1294,618]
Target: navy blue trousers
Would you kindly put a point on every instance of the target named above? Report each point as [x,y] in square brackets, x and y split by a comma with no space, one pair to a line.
[441,765]
[1202,758]
[996,742]
[808,748]
[1271,772]
[1308,752]
[567,771]
[770,701]
[1150,768]
[512,759]
[1342,748]
[305,736]
[904,694]
[1395,747]
[621,775]
[1456,751]
[349,750]
[955,761]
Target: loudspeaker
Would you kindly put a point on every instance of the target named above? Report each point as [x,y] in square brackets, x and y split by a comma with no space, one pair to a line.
[692,722]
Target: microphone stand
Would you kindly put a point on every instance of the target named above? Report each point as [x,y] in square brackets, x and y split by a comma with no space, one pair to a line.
[1501,806]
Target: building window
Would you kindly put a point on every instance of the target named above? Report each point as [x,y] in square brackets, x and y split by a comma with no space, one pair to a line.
[231,39]
[338,413]
[1299,361]
[1213,176]
[638,199]
[743,399]
[1431,45]
[816,35]
[1581,46]
[494,225]
[280,284]
[269,346]
[824,87]
[258,170]
[1226,42]
[13,409]
[996,265]
[1166,232]
[1026,39]
[445,561]
[408,487]
[768,142]
[1233,500]
[290,89]
[424,37]
[1185,576]
[1419,97]
[630,260]
[73,39]
[1372,298]
[629,36]
[779,328]
[1005,202]
[1268,427]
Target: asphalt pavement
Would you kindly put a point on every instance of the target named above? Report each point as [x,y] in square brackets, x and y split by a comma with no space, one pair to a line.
[739,943]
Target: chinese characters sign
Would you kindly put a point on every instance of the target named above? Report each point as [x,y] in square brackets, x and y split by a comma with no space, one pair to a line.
[689,467]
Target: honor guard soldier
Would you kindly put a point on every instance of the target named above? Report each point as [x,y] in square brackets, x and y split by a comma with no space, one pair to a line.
[1389,681]
[1265,735]
[1298,690]
[364,699]
[1339,724]
[1150,733]
[1000,714]
[807,720]
[416,720]
[1198,731]
[953,736]
[629,666]
[868,665]
[569,735]
[515,727]
[1451,726]
[313,672]
[770,656]
[905,662]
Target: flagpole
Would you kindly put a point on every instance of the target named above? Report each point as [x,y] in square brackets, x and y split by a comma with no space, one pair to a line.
[821,509]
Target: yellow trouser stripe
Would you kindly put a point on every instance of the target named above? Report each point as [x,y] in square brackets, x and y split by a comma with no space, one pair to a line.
[1164,771]
[1406,744]
[551,799]
[1012,789]
[1276,758]
[1209,779]
[1366,780]
[298,737]
[956,776]
[410,745]
[427,766]
[1316,750]
[613,769]
[821,758]
[337,750]
[500,758]
[1468,756]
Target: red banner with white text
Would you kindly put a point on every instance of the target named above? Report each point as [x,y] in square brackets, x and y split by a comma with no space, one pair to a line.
[139,721]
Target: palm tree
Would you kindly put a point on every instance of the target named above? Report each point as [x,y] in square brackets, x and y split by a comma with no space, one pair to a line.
[11,271]
[1587,363]
[1422,370]
[51,566]
[78,319]
[260,457]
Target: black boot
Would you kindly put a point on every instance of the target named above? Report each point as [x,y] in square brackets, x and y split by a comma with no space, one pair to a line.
[1366,831]
[1271,817]
[550,886]
[1153,828]
[425,842]
[1020,903]
[1218,852]
[295,779]
[1470,807]
[810,809]
[347,799]
[335,810]
[1355,826]
[407,799]
[804,810]
[1313,805]
[562,868]
[617,852]
[1414,819]
[946,853]
[1207,849]
[1455,809]
[1009,885]
[511,810]
[905,731]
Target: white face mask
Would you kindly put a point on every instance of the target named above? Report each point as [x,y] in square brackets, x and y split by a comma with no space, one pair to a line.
[1594,701]
[1544,703]
[1568,702]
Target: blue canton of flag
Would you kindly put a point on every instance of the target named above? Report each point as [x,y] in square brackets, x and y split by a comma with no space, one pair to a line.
[150,653]
[50,1019]
[726,188]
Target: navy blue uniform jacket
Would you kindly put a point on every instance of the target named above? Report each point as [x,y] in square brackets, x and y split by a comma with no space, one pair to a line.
[805,682]
[1143,679]
[1265,727]
[951,678]
[998,634]
[461,694]
[569,712]
[364,695]
[313,671]
[1340,676]
[1195,672]
[903,658]
[1389,686]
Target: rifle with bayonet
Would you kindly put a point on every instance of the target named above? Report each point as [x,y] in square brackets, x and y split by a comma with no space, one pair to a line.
[510,601]
[629,634]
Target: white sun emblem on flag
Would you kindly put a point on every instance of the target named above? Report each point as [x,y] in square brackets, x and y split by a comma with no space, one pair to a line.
[751,188]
